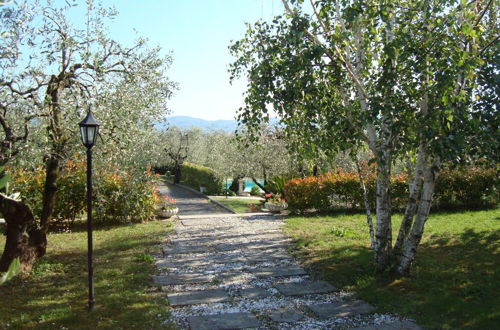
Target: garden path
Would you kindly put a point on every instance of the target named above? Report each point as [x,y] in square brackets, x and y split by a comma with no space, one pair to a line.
[234,272]
[190,203]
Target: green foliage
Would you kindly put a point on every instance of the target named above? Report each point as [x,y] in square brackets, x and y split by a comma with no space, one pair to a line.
[255,191]
[71,190]
[229,192]
[465,188]
[146,257]
[4,178]
[196,176]
[277,184]
[119,195]
[13,270]
[125,196]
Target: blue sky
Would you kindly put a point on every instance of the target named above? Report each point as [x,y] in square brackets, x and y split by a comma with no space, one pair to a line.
[198,33]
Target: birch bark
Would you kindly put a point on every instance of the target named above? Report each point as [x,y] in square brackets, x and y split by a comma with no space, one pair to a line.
[411,205]
[411,243]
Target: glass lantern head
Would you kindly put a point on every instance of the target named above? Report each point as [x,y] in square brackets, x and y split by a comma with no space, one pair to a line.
[89,128]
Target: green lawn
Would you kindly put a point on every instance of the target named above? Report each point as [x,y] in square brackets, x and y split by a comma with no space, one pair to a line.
[55,296]
[455,278]
[239,205]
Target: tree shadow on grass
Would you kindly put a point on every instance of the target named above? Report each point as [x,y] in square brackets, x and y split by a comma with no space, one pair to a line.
[56,293]
[454,281]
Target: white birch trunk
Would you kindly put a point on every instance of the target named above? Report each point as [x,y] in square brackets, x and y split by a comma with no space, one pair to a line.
[413,240]
[383,234]
[369,220]
[411,206]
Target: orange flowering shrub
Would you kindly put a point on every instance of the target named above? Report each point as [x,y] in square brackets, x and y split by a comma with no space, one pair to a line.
[70,202]
[460,188]
[306,193]
[119,195]
[469,188]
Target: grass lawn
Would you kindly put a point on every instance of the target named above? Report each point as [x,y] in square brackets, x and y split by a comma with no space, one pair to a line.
[55,296]
[455,279]
[238,205]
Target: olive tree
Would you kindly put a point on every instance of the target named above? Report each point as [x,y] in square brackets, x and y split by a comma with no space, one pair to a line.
[52,72]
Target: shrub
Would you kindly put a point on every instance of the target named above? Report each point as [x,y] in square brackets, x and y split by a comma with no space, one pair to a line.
[228,192]
[468,188]
[125,196]
[255,191]
[196,176]
[306,193]
[71,186]
[458,188]
[119,196]
[277,184]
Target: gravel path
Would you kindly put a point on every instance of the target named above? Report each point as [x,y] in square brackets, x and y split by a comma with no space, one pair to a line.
[234,272]
[190,203]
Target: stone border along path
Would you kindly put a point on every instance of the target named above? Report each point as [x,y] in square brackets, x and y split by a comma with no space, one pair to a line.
[230,272]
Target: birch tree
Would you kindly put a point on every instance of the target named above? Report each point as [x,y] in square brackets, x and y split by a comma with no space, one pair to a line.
[399,76]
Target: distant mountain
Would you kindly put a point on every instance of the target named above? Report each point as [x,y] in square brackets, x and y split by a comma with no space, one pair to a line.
[186,122]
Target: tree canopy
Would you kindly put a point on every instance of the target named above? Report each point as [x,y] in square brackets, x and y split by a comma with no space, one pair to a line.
[407,78]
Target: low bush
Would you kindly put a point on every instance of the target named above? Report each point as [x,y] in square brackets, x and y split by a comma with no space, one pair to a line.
[470,188]
[119,195]
[125,196]
[276,185]
[71,188]
[465,188]
[255,191]
[196,176]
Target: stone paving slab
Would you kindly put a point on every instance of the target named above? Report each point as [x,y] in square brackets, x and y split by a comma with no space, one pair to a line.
[340,309]
[184,249]
[181,263]
[252,293]
[278,271]
[286,315]
[176,279]
[199,222]
[197,297]
[223,321]
[399,325]
[229,247]
[297,289]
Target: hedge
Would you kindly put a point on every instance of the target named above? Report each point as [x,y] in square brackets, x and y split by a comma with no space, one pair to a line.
[465,188]
[196,176]
[121,195]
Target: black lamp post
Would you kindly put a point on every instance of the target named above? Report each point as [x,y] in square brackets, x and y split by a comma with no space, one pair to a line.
[88,131]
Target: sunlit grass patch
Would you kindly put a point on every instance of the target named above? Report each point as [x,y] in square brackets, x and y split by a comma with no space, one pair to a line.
[240,205]
[55,296]
[454,281]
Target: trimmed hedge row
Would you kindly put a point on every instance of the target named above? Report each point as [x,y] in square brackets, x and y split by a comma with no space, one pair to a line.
[196,176]
[459,188]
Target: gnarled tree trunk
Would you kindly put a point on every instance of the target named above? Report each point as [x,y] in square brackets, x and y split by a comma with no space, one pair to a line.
[25,240]
[50,191]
